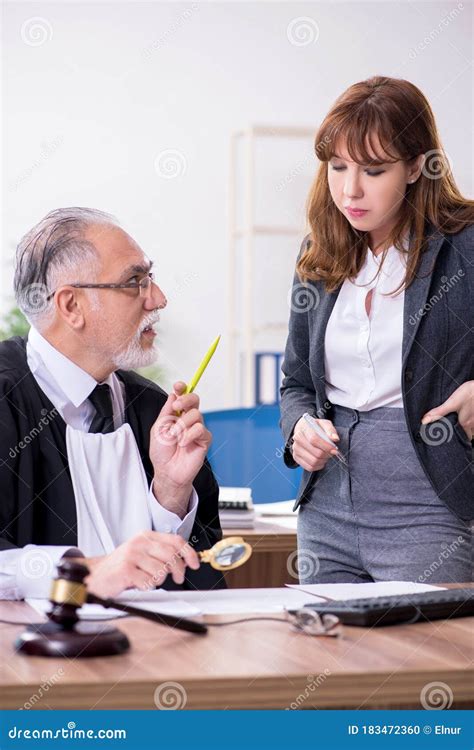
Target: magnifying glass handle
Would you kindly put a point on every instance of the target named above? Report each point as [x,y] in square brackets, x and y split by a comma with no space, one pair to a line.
[205,555]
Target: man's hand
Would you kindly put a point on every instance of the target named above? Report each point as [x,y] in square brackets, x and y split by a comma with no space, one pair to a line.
[460,401]
[142,562]
[309,450]
[178,447]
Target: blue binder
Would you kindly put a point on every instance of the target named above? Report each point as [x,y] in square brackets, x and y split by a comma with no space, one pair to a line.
[247,451]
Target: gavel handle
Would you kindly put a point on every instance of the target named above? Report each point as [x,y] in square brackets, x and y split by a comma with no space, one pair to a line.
[181,623]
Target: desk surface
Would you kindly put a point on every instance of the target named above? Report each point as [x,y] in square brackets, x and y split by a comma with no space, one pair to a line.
[259,664]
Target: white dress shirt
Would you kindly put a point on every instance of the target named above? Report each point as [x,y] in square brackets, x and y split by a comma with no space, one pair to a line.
[111,506]
[363,353]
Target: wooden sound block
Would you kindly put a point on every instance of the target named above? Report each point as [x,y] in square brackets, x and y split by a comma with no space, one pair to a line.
[86,639]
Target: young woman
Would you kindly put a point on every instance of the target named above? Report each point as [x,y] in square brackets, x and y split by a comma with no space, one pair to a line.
[380,349]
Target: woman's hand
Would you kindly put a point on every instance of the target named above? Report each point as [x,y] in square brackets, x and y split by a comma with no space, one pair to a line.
[309,450]
[462,402]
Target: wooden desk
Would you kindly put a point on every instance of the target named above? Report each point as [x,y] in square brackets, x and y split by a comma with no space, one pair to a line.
[259,665]
[273,559]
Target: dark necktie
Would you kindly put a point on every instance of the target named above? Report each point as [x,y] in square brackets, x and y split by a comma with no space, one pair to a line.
[101,399]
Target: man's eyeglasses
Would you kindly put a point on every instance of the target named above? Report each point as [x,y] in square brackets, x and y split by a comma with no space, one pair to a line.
[303,620]
[142,286]
[312,623]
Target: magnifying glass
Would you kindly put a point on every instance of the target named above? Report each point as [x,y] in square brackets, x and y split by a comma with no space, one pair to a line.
[227,554]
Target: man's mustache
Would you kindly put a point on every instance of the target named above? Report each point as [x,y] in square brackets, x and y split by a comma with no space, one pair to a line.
[148,322]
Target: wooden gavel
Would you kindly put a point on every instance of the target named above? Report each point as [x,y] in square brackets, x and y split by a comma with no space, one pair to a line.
[69,593]
[65,635]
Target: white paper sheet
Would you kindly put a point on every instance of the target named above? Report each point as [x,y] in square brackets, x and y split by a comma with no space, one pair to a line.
[283,508]
[284,521]
[363,590]
[158,600]
[87,611]
[244,601]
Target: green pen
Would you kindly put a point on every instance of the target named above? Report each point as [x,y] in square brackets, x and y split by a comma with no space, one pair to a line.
[197,376]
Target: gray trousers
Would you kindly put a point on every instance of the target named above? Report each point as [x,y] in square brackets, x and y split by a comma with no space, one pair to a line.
[379,518]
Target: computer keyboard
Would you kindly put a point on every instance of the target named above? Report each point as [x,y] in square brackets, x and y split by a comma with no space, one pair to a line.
[406,608]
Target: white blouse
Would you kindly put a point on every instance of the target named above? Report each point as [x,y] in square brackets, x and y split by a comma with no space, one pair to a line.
[363,353]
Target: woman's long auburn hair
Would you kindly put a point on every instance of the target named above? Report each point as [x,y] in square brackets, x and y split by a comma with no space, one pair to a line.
[399,115]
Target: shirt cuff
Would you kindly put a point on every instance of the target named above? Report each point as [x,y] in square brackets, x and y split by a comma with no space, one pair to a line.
[27,572]
[170,523]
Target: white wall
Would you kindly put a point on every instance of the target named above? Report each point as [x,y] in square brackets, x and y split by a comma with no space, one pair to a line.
[86,112]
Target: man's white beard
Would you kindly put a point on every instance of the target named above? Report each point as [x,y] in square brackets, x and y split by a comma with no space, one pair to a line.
[135,355]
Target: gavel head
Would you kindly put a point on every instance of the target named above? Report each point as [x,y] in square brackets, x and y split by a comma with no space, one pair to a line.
[59,637]
[68,593]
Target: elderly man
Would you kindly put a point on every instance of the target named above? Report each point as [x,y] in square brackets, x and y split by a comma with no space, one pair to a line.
[95,464]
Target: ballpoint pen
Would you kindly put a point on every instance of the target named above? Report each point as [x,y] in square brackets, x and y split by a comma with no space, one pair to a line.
[322,434]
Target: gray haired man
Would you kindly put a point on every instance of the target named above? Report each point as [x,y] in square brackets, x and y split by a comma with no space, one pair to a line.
[95,463]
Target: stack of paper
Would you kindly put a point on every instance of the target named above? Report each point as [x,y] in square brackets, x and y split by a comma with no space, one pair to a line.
[236,509]
[280,514]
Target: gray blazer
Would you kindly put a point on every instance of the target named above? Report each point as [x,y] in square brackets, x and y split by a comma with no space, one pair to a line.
[437,357]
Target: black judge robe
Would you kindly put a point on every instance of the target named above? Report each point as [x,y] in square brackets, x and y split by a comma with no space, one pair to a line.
[37,504]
